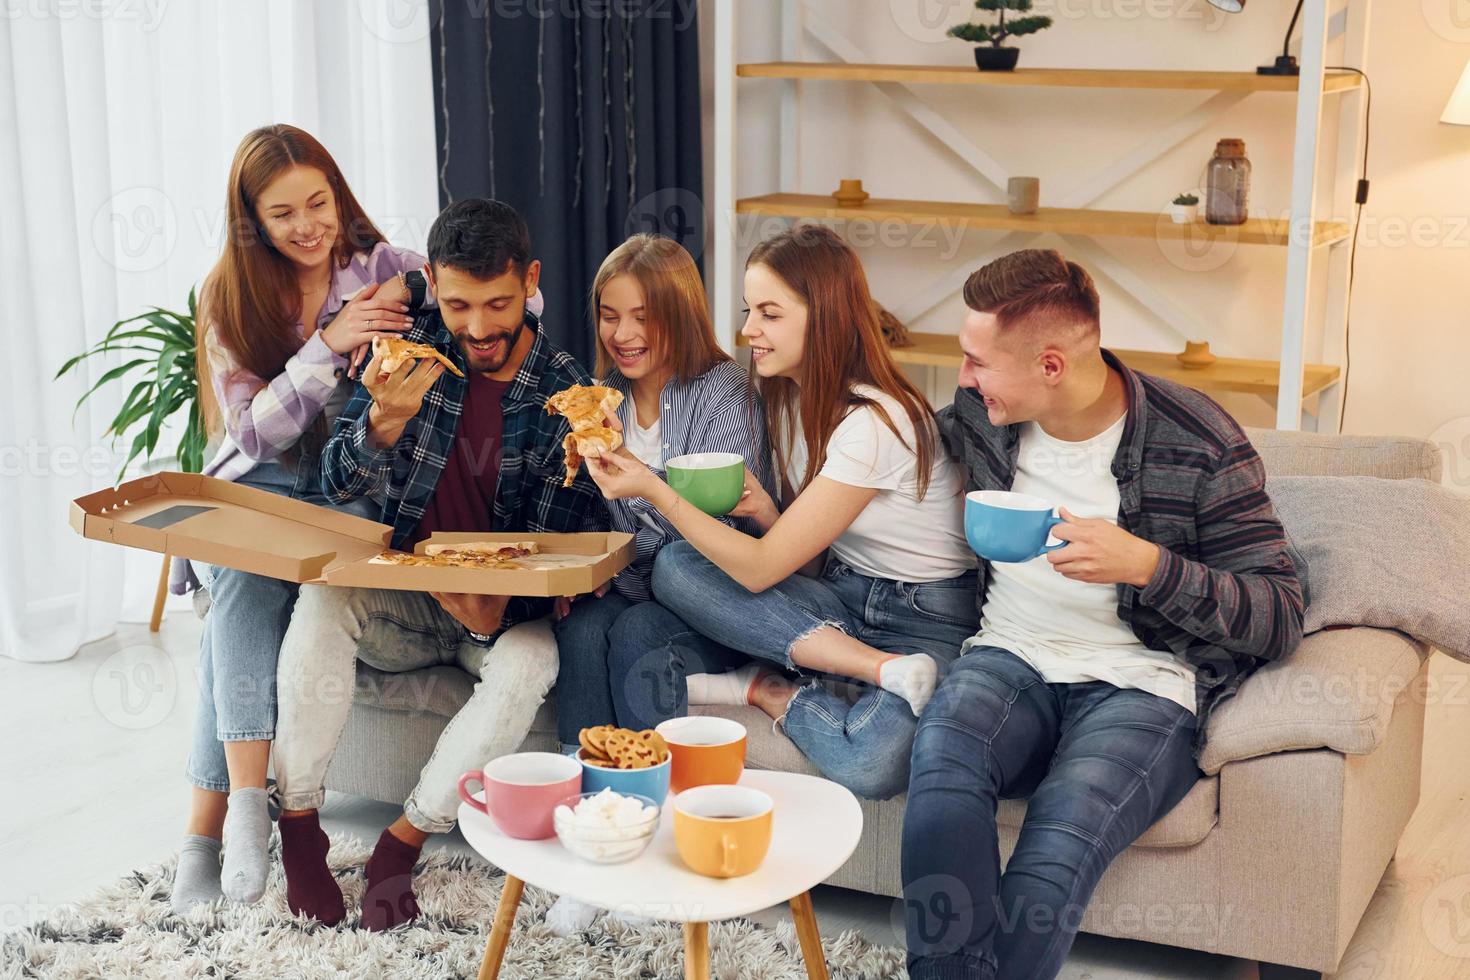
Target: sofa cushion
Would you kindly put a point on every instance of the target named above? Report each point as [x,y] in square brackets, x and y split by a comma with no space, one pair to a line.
[1337,691]
[1388,553]
[1286,453]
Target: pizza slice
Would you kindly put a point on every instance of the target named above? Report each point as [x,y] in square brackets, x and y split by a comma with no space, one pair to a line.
[449,558]
[586,408]
[503,549]
[391,352]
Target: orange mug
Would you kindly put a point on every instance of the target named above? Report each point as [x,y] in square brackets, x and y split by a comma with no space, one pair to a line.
[705,749]
[722,831]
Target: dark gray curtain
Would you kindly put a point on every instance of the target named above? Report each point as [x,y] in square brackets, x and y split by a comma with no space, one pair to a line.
[584,115]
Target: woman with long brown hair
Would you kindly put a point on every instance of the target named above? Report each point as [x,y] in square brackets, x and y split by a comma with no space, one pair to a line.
[304,281]
[865,573]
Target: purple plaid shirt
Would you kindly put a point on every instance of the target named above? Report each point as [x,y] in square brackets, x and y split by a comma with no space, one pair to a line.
[264,419]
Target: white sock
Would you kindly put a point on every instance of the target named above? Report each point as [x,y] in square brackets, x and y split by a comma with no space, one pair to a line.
[626,918]
[731,687]
[567,916]
[911,678]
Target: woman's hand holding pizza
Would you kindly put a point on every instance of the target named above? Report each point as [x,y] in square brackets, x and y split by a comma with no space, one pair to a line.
[620,475]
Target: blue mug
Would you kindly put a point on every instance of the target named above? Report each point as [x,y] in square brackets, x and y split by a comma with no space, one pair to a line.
[1011,527]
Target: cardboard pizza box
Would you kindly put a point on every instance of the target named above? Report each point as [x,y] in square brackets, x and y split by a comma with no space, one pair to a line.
[187,515]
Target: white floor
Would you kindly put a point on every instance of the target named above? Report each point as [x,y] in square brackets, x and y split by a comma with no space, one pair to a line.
[91,774]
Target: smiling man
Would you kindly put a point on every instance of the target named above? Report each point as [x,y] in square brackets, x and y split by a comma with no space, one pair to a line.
[441,453]
[1089,685]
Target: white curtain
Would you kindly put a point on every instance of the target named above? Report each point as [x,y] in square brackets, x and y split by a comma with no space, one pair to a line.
[118,119]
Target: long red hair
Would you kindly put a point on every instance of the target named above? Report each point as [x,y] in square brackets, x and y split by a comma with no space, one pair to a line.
[252,296]
[844,347]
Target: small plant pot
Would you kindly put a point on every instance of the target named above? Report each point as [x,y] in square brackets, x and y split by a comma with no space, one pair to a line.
[990,58]
[1184,214]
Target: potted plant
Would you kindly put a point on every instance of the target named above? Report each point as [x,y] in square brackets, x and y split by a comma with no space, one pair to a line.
[997,57]
[164,344]
[1184,209]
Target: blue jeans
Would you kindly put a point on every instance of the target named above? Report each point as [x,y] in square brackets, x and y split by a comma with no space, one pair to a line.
[627,661]
[1100,764]
[248,616]
[854,733]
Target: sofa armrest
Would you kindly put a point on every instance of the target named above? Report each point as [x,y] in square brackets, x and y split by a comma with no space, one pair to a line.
[1336,691]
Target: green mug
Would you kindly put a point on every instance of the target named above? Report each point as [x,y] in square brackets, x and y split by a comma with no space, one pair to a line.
[712,482]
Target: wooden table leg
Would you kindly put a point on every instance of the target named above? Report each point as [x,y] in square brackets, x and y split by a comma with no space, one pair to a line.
[696,951]
[157,618]
[810,936]
[505,920]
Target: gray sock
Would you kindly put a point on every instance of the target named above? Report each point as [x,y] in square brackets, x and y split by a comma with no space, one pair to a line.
[247,845]
[196,881]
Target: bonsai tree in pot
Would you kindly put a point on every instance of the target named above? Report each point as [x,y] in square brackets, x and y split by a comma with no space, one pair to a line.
[160,344]
[997,57]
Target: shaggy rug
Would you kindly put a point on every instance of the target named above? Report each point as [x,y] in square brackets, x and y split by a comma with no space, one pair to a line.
[126,930]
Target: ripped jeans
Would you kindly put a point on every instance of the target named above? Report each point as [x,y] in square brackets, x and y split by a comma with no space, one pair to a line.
[854,733]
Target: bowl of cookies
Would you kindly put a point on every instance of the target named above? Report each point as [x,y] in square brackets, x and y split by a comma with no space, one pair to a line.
[606,827]
[625,761]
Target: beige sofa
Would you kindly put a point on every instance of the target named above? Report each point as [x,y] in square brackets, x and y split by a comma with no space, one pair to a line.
[1310,774]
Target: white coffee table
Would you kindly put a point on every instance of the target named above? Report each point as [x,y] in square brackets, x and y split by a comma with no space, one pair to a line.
[815,829]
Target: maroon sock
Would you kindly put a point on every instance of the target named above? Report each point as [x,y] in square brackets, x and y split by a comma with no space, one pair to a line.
[310,888]
[388,899]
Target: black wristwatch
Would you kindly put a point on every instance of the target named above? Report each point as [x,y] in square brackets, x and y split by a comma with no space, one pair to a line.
[418,287]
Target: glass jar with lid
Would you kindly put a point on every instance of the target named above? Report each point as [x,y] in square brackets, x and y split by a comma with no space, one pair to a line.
[1228,184]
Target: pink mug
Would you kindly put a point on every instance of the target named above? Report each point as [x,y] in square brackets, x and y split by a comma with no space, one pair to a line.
[522,790]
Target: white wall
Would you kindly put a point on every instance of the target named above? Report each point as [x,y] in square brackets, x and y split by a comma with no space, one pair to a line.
[1410,341]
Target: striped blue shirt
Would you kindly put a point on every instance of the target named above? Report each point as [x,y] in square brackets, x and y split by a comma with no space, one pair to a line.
[717,412]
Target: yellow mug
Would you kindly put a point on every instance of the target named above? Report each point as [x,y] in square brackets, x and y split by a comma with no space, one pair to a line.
[722,831]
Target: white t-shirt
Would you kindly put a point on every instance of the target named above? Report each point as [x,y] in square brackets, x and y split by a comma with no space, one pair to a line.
[1068,630]
[896,536]
[647,444]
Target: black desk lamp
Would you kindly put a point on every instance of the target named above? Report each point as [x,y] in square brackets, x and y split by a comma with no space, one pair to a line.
[1285,63]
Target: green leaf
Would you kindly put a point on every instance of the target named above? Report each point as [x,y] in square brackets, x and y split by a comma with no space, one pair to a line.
[116,372]
[181,332]
[193,306]
[101,349]
[166,362]
[132,410]
[191,446]
[138,444]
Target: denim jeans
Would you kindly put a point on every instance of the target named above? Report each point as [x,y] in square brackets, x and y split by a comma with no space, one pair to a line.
[626,662]
[247,621]
[1100,764]
[397,632]
[854,733]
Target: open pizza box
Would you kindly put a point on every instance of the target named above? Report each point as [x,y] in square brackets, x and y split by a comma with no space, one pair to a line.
[187,515]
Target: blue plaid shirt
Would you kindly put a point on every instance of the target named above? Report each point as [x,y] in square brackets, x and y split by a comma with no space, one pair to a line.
[529,495]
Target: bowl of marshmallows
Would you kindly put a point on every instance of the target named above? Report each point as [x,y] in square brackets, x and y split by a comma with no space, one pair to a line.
[606,827]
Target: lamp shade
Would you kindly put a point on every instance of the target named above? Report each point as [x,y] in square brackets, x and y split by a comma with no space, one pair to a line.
[1457,111]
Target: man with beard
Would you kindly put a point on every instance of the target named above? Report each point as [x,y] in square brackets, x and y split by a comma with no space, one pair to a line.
[441,453]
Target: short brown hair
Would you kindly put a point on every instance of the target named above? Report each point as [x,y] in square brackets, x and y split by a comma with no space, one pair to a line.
[674,305]
[1035,286]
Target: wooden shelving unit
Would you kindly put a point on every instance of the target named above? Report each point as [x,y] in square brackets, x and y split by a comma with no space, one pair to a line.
[1063,221]
[1250,377]
[1203,81]
[1289,382]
